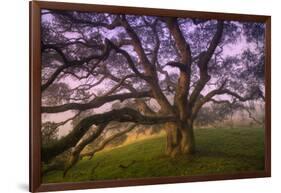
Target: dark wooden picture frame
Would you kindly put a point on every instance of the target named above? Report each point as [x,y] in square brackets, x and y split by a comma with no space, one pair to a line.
[35,95]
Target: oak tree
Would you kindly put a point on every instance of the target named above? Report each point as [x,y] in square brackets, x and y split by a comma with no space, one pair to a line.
[167,68]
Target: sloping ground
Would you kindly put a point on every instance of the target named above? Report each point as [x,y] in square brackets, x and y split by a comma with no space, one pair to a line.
[219,151]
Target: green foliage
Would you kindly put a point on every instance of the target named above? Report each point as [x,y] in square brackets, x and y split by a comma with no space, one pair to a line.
[219,151]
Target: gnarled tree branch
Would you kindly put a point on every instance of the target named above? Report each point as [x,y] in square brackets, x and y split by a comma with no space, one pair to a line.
[221,91]
[70,63]
[77,149]
[80,146]
[95,103]
[204,59]
[120,115]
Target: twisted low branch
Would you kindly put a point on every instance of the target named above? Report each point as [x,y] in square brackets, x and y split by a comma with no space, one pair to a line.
[120,115]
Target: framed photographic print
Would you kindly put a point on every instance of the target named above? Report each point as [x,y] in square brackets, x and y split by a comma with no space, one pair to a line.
[123,96]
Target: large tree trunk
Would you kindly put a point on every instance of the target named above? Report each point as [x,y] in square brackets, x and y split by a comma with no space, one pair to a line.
[180,139]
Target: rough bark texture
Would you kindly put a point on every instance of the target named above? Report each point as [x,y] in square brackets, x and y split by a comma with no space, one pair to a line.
[180,139]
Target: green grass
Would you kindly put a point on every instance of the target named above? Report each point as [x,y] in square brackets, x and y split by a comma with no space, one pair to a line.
[218,151]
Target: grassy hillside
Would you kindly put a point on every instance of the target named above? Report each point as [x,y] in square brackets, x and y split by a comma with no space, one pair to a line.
[219,151]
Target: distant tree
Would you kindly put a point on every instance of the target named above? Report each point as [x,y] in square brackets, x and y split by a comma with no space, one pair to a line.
[213,114]
[49,133]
